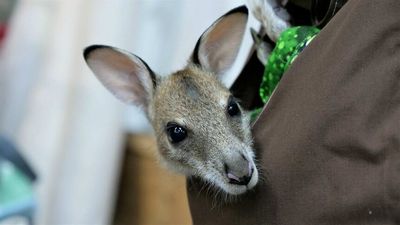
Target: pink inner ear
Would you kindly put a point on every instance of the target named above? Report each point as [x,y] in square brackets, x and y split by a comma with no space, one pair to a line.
[122,74]
[221,43]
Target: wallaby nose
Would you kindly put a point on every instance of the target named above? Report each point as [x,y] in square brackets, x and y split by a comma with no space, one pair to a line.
[240,173]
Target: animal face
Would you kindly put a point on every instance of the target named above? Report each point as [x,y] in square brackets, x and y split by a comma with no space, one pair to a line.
[201,129]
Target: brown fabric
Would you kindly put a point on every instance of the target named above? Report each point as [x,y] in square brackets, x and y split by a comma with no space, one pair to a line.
[328,141]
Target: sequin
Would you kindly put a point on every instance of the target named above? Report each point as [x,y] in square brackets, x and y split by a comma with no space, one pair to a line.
[289,45]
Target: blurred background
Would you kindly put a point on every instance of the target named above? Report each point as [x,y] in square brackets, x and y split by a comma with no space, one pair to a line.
[93,156]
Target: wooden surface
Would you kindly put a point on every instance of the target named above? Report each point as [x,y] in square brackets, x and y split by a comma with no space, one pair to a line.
[149,195]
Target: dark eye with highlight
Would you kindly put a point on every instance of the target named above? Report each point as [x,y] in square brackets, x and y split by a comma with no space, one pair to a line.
[176,133]
[233,107]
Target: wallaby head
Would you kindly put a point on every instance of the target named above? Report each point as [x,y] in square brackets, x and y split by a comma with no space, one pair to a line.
[200,127]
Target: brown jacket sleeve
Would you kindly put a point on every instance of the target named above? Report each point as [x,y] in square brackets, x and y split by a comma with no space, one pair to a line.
[328,141]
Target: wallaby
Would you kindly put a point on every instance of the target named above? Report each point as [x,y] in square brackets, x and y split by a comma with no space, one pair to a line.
[200,127]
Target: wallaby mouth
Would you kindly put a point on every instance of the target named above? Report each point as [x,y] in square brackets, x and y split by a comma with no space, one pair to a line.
[239,176]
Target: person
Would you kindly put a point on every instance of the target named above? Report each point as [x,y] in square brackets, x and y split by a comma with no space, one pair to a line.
[328,140]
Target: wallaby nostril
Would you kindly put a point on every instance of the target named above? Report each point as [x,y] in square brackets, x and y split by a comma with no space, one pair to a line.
[226,168]
[246,179]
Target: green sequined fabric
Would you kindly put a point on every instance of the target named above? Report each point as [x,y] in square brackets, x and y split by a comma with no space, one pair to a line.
[289,45]
[291,42]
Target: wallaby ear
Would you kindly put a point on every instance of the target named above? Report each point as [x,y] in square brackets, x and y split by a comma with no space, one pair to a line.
[125,75]
[218,46]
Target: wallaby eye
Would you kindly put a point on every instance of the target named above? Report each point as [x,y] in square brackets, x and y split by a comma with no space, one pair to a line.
[176,133]
[233,107]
